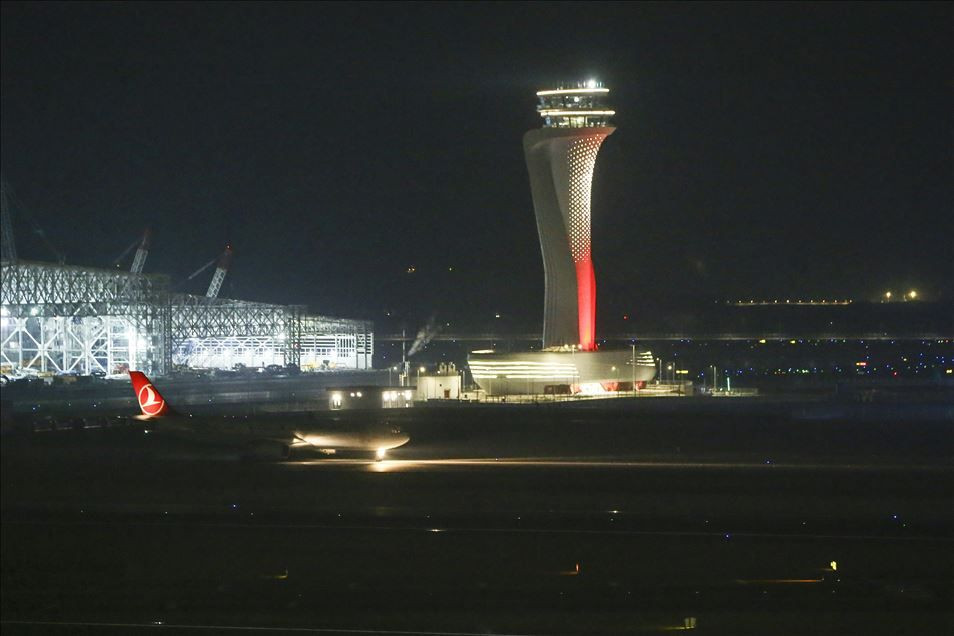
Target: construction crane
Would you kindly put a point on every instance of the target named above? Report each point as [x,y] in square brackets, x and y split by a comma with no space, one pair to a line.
[6,227]
[224,261]
[139,261]
[11,202]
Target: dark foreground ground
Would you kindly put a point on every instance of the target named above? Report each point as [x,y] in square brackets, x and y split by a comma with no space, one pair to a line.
[510,521]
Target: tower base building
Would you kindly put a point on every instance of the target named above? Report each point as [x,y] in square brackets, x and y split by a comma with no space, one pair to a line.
[561,372]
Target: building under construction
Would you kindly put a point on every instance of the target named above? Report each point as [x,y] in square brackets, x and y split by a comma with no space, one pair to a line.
[65,318]
[60,318]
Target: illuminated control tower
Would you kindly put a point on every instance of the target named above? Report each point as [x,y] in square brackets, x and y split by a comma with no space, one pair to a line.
[560,159]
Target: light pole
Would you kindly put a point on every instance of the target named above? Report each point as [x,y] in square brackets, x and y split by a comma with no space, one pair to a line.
[659,374]
[671,376]
[632,361]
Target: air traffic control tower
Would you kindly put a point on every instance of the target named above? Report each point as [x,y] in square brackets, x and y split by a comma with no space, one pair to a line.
[560,159]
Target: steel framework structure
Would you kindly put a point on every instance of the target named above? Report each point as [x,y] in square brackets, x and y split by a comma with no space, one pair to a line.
[329,343]
[220,333]
[61,319]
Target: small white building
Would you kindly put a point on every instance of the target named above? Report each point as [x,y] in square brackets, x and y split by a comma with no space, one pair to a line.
[445,384]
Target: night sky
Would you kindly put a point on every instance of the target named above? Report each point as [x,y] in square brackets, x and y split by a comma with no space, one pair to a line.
[762,150]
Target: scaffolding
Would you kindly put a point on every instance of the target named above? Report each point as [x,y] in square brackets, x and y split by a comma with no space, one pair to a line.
[68,319]
[222,333]
[334,343]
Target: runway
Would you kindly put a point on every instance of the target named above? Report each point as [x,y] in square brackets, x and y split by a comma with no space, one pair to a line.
[615,527]
[395,465]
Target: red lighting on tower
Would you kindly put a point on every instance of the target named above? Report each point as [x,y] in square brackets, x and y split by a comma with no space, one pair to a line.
[560,158]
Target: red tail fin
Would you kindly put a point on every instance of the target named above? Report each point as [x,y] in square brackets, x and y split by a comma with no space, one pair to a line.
[151,402]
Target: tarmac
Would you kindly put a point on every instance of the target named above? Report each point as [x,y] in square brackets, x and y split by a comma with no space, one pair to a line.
[515,520]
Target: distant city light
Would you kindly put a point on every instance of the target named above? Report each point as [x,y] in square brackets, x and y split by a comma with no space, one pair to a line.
[887,295]
[912,294]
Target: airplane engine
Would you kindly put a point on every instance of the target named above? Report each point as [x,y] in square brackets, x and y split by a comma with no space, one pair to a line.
[267,451]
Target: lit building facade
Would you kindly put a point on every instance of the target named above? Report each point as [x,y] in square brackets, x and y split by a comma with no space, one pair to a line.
[59,319]
[561,372]
[560,160]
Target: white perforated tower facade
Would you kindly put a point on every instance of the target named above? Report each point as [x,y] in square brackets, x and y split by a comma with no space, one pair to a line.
[560,159]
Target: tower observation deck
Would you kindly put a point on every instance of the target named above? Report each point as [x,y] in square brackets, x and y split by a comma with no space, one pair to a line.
[560,160]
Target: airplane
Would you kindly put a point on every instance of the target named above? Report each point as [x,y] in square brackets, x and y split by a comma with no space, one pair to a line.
[268,437]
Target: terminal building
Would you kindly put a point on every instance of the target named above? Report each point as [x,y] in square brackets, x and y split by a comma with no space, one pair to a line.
[560,160]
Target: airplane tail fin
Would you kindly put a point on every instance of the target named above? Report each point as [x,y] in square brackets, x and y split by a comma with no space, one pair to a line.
[151,402]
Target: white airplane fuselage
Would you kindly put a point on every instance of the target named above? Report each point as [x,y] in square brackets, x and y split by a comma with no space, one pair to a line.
[292,430]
